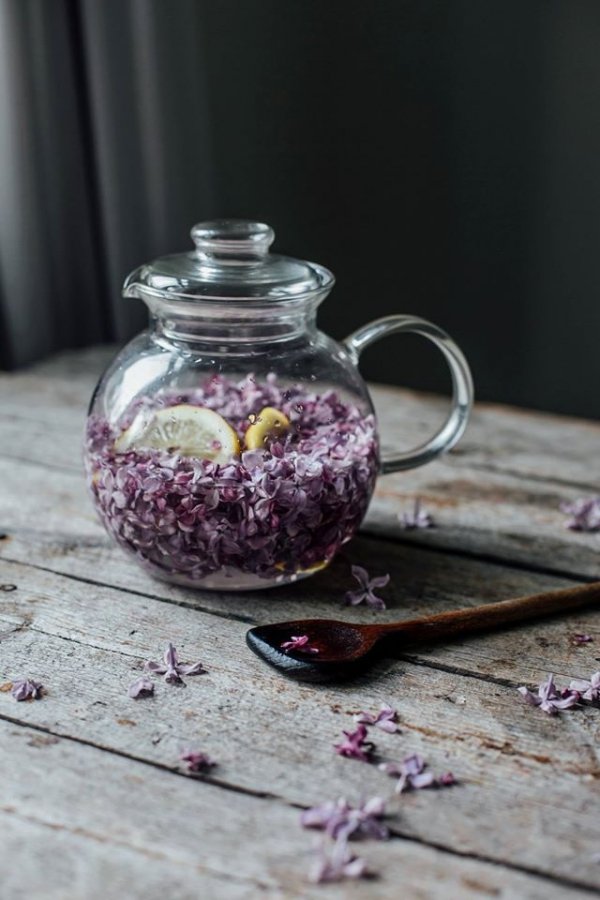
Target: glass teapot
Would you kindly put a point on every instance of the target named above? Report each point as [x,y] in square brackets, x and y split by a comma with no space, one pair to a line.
[233,445]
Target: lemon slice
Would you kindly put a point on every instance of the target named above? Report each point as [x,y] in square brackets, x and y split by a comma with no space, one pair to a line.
[184,429]
[269,425]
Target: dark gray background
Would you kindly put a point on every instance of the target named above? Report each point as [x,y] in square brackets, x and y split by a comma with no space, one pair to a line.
[443,158]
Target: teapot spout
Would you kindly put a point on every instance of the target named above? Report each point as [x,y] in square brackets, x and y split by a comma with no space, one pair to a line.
[134,283]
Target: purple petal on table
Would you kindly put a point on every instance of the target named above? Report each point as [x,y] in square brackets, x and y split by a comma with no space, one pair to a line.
[192,669]
[589,690]
[197,761]
[355,745]
[142,687]
[584,514]
[582,639]
[26,689]
[335,862]
[361,575]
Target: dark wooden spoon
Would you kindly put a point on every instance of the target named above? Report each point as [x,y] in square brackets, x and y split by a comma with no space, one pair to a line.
[345,648]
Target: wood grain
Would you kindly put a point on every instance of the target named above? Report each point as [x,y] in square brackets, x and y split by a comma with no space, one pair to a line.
[276,736]
[92,800]
[106,827]
[497,495]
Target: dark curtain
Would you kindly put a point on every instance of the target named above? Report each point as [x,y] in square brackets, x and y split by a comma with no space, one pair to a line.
[441,157]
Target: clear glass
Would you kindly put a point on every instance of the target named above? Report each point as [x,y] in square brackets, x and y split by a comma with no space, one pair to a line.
[232,445]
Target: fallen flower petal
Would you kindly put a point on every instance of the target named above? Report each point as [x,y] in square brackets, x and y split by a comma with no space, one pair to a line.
[197,761]
[336,862]
[584,514]
[589,690]
[447,779]
[548,698]
[25,689]
[355,746]
[298,642]
[385,718]
[172,669]
[418,518]
[142,687]
[339,818]
[412,775]
[365,590]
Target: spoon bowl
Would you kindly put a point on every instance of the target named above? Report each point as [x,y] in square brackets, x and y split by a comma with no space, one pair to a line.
[335,650]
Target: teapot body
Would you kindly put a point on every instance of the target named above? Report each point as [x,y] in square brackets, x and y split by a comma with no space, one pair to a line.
[256,502]
[233,445]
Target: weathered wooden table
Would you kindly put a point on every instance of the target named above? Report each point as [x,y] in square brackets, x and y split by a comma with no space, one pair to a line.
[93,802]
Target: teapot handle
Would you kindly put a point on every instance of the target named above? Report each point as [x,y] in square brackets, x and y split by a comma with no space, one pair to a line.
[462,385]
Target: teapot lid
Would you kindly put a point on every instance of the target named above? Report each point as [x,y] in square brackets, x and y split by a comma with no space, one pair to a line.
[231,261]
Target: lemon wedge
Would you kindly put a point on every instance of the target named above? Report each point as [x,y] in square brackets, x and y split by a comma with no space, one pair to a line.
[184,429]
[269,425]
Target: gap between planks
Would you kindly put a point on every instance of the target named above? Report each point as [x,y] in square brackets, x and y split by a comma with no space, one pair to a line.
[416,658]
[395,832]
[110,612]
[449,877]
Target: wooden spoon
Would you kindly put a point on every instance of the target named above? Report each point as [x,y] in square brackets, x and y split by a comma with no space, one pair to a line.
[343,649]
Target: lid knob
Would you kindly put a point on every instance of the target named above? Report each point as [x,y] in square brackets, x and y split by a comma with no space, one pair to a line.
[237,239]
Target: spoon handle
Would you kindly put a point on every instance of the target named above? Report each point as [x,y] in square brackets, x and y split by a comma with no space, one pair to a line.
[486,618]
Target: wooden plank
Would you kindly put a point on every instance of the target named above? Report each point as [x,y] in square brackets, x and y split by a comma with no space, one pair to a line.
[422,581]
[528,781]
[77,822]
[498,494]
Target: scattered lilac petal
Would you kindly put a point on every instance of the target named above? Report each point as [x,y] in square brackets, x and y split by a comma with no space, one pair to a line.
[584,514]
[26,689]
[447,779]
[355,745]
[339,818]
[142,687]
[197,761]
[385,718]
[365,590]
[581,639]
[548,699]
[589,690]
[418,518]
[298,642]
[172,669]
[411,774]
[336,862]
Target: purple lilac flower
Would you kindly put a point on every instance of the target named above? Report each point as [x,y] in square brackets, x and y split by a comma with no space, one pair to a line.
[365,591]
[197,761]
[355,745]
[548,698]
[385,718]
[142,687]
[581,639]
[172,669]
[336,862]
[411,774]
[269,513]
[298,642]
[584,514]
[26,689]
[589,690]
[338,817]
[447,779]
[418,518]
